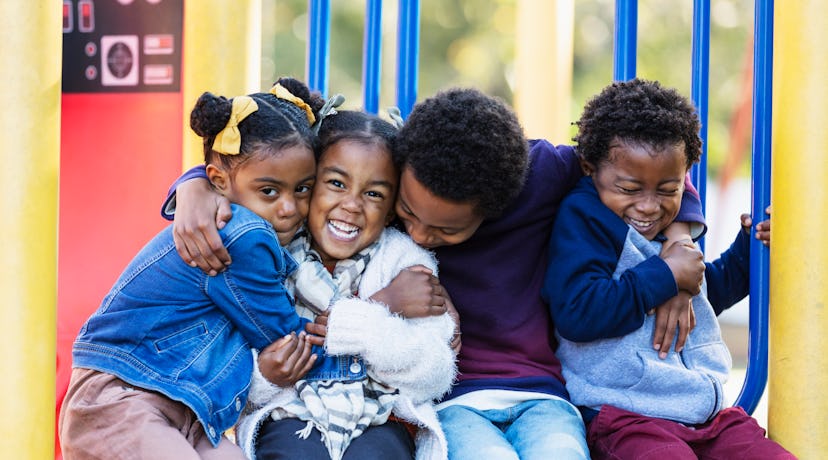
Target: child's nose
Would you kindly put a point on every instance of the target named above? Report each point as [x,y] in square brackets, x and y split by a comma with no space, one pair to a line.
[648,204]
[287,207]
[418,233]
[352,203]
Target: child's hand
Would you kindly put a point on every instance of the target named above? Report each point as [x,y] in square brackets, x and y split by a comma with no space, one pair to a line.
[456,340]
[413,293]
[318,329]
[687,264]
[199,213]
[763,228]
[286,360]
[675,314]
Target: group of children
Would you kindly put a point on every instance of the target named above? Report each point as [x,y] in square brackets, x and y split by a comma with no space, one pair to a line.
[286,301]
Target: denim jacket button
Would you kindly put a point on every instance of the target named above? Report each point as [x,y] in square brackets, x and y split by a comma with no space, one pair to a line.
[355,368]
[238,404]
[211,431]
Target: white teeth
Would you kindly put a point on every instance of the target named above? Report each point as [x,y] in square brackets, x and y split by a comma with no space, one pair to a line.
[344,226]
[641,223]
[343,229]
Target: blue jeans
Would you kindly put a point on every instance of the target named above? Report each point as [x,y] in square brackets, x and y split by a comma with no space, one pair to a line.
[536,429]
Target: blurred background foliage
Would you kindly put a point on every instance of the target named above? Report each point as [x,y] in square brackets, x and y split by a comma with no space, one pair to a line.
[472,43]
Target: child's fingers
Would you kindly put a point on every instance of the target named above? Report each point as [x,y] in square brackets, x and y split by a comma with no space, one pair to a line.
[437,309]
[420,268]
[276,361]
[315,340]
[320,330]
[746,220]
[661,331]
[674,320]
[281,343]
[437,300]
[456,341]
[763,226]
[298,357]
[686,242]
[223,215]
[305,360]
[683,332]
[321,319]
[188,248]
[763,232]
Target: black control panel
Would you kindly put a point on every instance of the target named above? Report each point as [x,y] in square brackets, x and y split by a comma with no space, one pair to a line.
[122,46]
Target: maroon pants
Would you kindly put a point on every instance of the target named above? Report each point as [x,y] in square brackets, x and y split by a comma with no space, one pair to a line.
[618,434]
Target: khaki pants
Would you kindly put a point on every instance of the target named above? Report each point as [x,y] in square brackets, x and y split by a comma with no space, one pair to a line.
[103,417]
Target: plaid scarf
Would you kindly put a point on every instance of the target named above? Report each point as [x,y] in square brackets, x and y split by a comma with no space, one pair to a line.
[339,410]
[314,287]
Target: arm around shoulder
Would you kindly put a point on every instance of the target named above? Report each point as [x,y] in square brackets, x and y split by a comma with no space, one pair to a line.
[168,207]
[691,210]
[587,303]
[413,355]
[558,166]
[728,277]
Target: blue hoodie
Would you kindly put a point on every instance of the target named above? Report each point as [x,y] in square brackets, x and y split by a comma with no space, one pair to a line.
[603,277]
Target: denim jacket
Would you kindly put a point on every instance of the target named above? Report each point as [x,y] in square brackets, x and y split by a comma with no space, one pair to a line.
[343,368]
[169,327]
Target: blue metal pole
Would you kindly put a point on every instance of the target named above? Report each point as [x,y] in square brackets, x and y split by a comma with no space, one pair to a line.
[372,47]
[700,71]
[626,31]
[408,51]
[318,59]
[757,370]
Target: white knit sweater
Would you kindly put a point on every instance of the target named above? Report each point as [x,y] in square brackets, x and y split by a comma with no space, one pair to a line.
[412,355]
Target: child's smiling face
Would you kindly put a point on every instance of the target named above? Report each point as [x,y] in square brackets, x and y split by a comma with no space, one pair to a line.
[356,184]
[641,184]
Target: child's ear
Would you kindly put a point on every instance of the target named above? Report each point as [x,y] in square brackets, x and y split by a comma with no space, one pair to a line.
[218,178]
[587,167]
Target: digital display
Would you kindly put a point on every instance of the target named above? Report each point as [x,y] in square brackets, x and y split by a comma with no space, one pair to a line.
[123,46]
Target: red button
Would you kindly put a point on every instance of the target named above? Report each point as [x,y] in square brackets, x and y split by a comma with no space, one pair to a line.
[86,21]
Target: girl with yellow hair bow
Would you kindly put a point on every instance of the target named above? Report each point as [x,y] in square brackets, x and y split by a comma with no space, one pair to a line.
[163,367]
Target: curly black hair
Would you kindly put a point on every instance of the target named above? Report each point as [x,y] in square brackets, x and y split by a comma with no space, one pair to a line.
[465,146]
[276,124]
[639,111]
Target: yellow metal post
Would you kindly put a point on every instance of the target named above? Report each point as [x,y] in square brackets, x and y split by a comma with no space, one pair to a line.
[222,54]
[30,46]
[543,68]
[798,368]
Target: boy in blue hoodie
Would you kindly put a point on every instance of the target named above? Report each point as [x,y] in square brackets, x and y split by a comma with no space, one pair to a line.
[636,142]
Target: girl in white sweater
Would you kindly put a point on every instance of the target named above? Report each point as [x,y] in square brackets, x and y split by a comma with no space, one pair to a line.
[390,368]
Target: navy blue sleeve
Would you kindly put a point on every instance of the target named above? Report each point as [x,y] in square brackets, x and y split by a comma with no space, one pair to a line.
[168,207]
[585,301]
[691,210]
[728,277]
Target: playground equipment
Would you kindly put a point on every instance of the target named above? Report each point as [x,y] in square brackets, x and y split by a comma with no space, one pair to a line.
[101,225]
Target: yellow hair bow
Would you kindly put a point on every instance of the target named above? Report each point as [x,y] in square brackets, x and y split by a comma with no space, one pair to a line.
[283,93]
[228,140]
